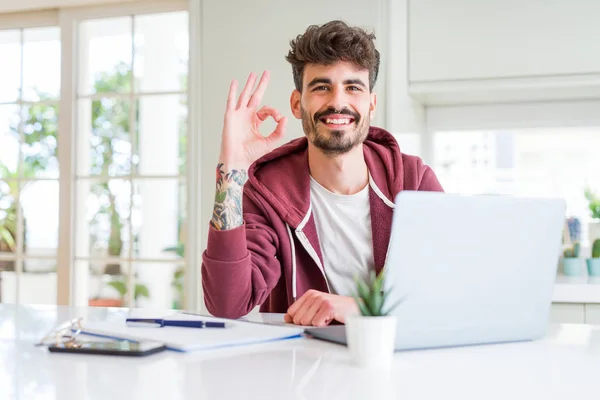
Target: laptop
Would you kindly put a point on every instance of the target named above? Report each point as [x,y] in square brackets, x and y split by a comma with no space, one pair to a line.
[471,269]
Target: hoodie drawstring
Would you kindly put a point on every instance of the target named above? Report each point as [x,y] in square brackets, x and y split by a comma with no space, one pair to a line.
[293,261]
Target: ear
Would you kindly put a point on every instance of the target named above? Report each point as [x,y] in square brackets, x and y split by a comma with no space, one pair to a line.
[295,104]
[373,105]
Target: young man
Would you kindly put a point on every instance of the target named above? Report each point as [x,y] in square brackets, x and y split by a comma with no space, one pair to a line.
[293,226]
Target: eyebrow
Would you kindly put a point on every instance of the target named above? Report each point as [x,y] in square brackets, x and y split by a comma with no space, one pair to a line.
[327,81]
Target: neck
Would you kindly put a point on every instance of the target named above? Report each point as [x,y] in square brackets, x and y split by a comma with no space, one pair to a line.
[343,174]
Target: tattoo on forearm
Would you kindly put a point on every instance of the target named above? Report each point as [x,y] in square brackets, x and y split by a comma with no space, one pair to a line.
[227,213]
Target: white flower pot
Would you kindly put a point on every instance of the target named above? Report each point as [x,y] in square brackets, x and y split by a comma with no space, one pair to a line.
[371,340]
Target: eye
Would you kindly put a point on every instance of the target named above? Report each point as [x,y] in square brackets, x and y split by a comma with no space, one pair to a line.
[354,88]
[320,88]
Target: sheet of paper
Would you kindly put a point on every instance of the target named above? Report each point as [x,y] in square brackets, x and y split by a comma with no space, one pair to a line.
[236,333]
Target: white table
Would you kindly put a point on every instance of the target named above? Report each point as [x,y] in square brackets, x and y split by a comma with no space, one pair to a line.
[564,365]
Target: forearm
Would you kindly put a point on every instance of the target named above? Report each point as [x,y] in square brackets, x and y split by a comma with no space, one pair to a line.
[228,212]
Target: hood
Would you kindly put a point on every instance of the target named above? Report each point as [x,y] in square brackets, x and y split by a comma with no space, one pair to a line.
[282,178]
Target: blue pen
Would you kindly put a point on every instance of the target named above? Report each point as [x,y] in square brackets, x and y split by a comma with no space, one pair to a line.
[159,323]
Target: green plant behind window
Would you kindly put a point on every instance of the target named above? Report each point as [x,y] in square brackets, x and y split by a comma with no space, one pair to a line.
[179,274]
[110,129]
[120,286]
[39,127]
[593,203]
[8,211]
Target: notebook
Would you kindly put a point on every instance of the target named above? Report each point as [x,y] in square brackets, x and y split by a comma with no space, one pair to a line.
[236,333]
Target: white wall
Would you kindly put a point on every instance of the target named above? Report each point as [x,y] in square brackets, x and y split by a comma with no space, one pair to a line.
[477,39]
[503,51]
[243,36]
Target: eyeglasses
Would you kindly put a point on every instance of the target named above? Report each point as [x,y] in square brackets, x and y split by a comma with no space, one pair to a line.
[63,335]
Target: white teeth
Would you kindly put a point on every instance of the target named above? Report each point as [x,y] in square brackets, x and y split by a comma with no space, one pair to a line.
[337,121]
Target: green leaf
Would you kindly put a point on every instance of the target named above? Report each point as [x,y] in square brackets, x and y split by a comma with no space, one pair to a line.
[179,250]
[375,302]
[179,273]
[371,296]
[391,308]
[364,310]
[6,236]
[363,290]
[141,291]
[378,282]
[120,286]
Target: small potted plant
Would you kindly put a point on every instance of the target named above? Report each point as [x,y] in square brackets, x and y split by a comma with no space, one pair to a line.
[572,265]
[371,334]
[594,207]
[593,263]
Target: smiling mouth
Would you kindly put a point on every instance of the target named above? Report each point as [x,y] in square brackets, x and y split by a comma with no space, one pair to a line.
[337,122]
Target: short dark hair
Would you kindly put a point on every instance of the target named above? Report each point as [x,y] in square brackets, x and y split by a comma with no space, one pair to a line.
[330,43]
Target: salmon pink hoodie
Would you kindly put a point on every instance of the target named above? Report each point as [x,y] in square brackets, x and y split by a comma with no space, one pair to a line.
[275,256]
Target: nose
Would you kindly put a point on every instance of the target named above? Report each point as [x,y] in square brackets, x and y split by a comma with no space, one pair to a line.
[338,98]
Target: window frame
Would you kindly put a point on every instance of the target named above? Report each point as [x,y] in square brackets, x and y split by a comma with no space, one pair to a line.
[72,283]
[38,19]
[21,22]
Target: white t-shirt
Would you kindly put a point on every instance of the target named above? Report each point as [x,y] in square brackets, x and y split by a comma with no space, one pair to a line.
[344,229]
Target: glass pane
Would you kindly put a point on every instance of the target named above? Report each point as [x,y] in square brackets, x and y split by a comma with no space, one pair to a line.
[38,287]
[7,263]
[465,161]
[8,285]
[8,221]
[105,55]
[159,285]
[559,162]
[104,289]
[39,266]
[161,55]
[101,221]
[109,140]
[10,78]
[9,140]
[41,63]
[40,130]
[39,201]
[158,218]
[409,143]
[161,135]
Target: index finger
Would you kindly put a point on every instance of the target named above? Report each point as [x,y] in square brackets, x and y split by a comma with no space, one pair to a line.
[232,95]
[267,111]
[297,304]
[260,90]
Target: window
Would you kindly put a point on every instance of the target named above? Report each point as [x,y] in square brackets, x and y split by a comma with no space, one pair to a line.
[409,143]
[548,162]
[93,168]
[130,158]
[29,171]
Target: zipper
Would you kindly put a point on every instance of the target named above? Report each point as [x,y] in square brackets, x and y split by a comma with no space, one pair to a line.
[311,251]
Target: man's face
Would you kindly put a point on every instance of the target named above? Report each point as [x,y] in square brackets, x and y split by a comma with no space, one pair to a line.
[335,106]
